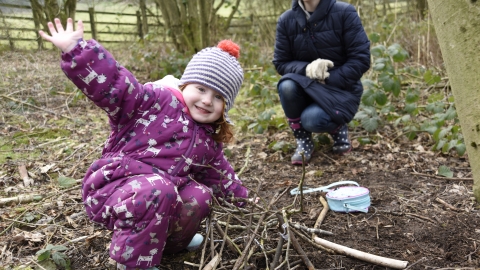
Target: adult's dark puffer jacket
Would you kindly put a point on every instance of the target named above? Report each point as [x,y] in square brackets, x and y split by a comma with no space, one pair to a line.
[334,32]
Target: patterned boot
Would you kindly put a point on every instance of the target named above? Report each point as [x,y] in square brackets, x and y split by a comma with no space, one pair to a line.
[304,142]
[341,143]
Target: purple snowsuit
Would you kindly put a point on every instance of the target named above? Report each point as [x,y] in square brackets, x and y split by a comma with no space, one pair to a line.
[154,183]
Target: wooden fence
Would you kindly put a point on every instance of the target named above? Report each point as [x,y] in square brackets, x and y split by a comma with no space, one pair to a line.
[113,30]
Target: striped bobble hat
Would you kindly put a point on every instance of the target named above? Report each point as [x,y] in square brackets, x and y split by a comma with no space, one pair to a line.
[217,68]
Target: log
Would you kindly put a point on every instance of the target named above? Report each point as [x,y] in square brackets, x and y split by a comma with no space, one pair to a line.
[378,260]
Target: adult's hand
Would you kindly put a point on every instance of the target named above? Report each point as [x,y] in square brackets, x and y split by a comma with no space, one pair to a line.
[318,69]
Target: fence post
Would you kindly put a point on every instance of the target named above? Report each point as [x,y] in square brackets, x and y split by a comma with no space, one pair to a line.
[143,8]
[93,27]
[139,25]
[36,21]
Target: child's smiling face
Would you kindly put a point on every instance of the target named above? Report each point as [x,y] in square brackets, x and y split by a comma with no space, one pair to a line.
[205,104]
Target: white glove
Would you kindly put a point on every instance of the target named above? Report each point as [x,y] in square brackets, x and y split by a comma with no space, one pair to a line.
[318,69]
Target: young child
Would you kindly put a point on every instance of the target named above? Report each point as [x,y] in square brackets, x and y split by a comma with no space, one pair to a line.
[163,160]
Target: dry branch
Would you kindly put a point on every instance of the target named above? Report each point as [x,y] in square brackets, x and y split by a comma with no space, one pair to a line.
[449,206]
[310,230]
[378,260]
[213,263]
[36,107]
[322,215]
[21,199]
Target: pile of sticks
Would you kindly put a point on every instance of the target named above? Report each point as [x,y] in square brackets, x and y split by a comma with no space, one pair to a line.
[258,226]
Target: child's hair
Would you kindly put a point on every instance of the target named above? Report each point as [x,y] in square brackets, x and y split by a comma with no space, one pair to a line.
[223,130]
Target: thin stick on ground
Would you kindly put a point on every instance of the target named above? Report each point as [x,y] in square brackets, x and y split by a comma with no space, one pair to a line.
[36,107]
[378,260]
[322,215]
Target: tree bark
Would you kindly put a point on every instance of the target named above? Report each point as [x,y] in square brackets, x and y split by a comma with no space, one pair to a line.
[193,24]
[51,10]
[421,8]
[457,24]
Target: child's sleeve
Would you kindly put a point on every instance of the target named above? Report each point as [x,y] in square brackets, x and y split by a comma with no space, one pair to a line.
[222,179]
[101,78]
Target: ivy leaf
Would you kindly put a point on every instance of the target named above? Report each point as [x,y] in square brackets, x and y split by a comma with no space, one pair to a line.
[59,248]
[66,182]
[60,259]
[451,113]
[368,84]
[374,37]
[364,141]
[377,51]
[370,124]
[280,146]
[397,53]
[368,97]
[391,84]
[42,254]
[410,108]
[411,96]
[430,78]
[381,98]
[461,149]
[378,66]
[361,115]
[445,171]
[434,97]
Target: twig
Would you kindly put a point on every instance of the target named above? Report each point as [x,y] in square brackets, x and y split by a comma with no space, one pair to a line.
[378,260]
[37,264]
[11,224]
[247,158]
[322,215]
[451,207]
[421,260]
[85,157]
[36,107]
[21,199]
[239,261]
[278,252]
[329,158]
[311,242]
[213,263]
[310,230]
[443,178]
[421,217]
[232,246]
[300,252]
[202,257]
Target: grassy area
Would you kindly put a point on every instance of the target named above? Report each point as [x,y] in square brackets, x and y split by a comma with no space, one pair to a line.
[124,11]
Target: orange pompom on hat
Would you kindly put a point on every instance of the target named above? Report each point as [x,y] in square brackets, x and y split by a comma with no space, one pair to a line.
[217,68]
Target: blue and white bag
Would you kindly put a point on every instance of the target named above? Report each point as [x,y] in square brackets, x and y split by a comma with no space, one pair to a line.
[345,198]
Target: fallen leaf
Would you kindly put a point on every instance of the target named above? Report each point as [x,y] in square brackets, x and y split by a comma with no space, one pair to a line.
[46,168]
[27,181]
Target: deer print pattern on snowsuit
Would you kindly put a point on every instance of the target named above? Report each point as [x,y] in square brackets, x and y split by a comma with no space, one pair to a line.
[159,168]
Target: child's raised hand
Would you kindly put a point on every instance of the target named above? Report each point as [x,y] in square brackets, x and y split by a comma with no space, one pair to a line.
[64,39]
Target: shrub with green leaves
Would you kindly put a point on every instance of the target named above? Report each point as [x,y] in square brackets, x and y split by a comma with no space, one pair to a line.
[407,98]
[52,256]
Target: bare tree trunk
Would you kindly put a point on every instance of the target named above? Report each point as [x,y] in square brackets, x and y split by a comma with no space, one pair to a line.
[193,24]
[143,8]
[456,24]
[51,10]
[422,8]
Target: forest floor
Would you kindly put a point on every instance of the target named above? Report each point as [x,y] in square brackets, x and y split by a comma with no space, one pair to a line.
[49,136]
